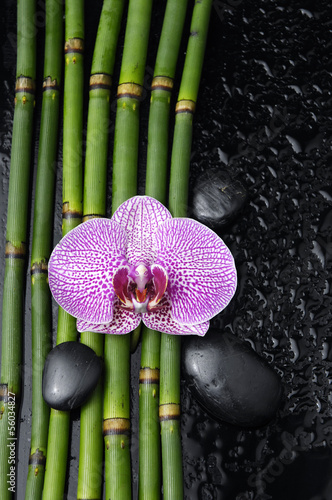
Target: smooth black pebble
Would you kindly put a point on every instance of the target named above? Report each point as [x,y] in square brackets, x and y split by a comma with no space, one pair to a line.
[71,372]
[230,380]
[218,198]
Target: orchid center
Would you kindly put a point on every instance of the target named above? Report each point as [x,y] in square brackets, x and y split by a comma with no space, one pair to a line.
[140,288]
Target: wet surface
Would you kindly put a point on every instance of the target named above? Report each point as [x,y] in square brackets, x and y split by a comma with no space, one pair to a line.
[264,114]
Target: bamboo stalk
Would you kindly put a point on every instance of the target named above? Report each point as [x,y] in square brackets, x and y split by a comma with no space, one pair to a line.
[185,108]
[129,95]
[149,428]
[57,449]
[16,241]
[41,304]
[169,411]
[125,154]
[161,91]
[95,179]
[156,186]
[99,109]
[169,416]
[116,425]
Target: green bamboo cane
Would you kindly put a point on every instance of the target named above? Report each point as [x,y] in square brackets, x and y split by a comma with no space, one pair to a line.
[117,348]
[169,410]
[95,179]
[156,186]
[185,108]
[16,241]
[57,448]
[41,304]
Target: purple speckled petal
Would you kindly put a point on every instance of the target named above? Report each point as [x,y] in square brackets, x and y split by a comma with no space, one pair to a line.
[200,268]
[162,321]
[124,321]
[140,217]
[81,269]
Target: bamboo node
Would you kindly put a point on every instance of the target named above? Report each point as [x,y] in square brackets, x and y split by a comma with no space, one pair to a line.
[149,375]
[169,411]
[130,90]
[67,213]
[37,458]
[3,394]
[15,252]
[25,84]
[185,106]
[74,45]
[113,426]
[49,84]
[162,83]
[92,216]
[39,267]
[100,81]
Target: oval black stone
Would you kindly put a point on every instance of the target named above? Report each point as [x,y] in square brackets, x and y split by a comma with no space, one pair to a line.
[71,372]
[230,380]
[217,198]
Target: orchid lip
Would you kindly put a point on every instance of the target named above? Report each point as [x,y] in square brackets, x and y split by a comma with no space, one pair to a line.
[140,307]
[140,288]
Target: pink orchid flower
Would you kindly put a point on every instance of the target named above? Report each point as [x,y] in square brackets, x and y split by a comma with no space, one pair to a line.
[174,274]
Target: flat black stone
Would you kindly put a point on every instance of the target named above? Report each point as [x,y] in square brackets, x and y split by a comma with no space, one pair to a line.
[218,198]
[71,372]
[230,380]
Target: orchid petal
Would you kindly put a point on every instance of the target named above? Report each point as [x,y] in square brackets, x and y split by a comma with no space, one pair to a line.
[81,269]
[120,285]
[200,268]
[124,321]
[161,320]
[140,216]
[160,280]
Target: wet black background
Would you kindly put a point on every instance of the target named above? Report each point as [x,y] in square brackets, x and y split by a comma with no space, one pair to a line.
[264,114]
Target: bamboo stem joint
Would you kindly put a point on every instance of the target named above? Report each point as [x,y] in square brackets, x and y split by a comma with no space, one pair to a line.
[74,45]
[15,252]
[49,84]
[70,214]
[113,426]
[149,376]
[100,81]
[25,84]
[185,106]
[169,411]
[130,90]
[38,458]
[162,83]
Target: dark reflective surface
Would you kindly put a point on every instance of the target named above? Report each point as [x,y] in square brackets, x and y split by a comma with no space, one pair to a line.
[264,113]
[231,382]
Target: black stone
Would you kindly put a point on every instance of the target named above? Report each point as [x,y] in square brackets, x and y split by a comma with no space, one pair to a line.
[71,372]
[230,380]
[218,198]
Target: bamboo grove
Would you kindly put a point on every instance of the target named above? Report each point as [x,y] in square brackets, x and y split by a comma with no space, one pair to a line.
[109,154]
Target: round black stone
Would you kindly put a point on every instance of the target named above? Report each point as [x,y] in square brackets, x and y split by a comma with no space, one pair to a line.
[218,198]
[230,380]
[71,372]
